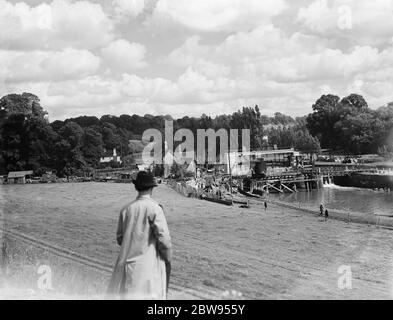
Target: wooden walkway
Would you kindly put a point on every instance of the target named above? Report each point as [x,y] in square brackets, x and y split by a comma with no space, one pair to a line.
[308,179]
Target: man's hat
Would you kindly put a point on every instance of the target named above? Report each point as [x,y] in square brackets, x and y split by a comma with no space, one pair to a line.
[144,180]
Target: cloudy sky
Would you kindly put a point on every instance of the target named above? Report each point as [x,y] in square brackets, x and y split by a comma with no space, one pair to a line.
[188,57]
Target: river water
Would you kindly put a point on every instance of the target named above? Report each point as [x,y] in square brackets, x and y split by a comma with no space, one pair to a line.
[344,199]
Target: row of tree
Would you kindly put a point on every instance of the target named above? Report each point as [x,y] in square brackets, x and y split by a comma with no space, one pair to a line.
[75,145]
[349,125]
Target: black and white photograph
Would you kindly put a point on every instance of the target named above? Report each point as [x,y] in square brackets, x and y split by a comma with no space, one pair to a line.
[196,150]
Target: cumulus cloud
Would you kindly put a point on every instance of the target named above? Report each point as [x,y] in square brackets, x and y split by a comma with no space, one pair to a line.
[188,52]
[266,64]
[53,25]
[219,56]
[324,65]
[268,53]
[360,21]
[124,56]
[70,63]
[128,8]
[219,15]
[318,16]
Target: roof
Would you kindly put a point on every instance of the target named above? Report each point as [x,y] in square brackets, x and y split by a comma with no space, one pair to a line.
[106,159]
[19,174]
[264,152]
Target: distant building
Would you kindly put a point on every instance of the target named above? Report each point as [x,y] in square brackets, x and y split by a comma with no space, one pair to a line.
[115,158]
[249,162]
[18,176]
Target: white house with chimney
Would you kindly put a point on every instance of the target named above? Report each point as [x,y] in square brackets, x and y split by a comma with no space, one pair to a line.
[115,158]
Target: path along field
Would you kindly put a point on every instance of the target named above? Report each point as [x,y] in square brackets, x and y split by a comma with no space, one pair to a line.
[278,254]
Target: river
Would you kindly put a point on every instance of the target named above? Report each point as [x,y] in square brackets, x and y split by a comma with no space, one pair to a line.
[345,199]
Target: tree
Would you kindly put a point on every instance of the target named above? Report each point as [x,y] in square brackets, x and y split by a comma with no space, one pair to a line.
[283,119]
[305,142]
[26,103]
[13,141]
[346,125]
[67,149]
[356,133]
[28,141]
[383,129]
[354,104]
[222,122]
[26,136]
[249,118]
[57,125]
[40,139]
[85,121]
[110,138]
[294,137]
[92,146]
[205,122]
[325,114]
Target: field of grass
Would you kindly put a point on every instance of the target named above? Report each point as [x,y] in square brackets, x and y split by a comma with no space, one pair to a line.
[278,254]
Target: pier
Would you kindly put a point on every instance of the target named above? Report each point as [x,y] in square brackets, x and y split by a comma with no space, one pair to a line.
[306,179]
[282,184]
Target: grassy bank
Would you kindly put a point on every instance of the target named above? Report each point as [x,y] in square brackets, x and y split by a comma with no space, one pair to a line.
[280,253]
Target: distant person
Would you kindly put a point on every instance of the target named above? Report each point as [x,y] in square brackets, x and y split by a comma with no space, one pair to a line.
[265,205]
[143,266]
[321,209]
[326,214]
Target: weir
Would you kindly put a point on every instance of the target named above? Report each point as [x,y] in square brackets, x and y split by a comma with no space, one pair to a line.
[308,180]
[282,184]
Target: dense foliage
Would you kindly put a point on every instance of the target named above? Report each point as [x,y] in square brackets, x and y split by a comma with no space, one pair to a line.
[75,145]
[351,126]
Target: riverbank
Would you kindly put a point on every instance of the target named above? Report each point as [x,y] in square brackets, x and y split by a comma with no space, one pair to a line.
[342,215]
[281,253]
[348,216]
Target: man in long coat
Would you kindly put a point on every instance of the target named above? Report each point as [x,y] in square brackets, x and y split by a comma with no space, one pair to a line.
[143,266]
